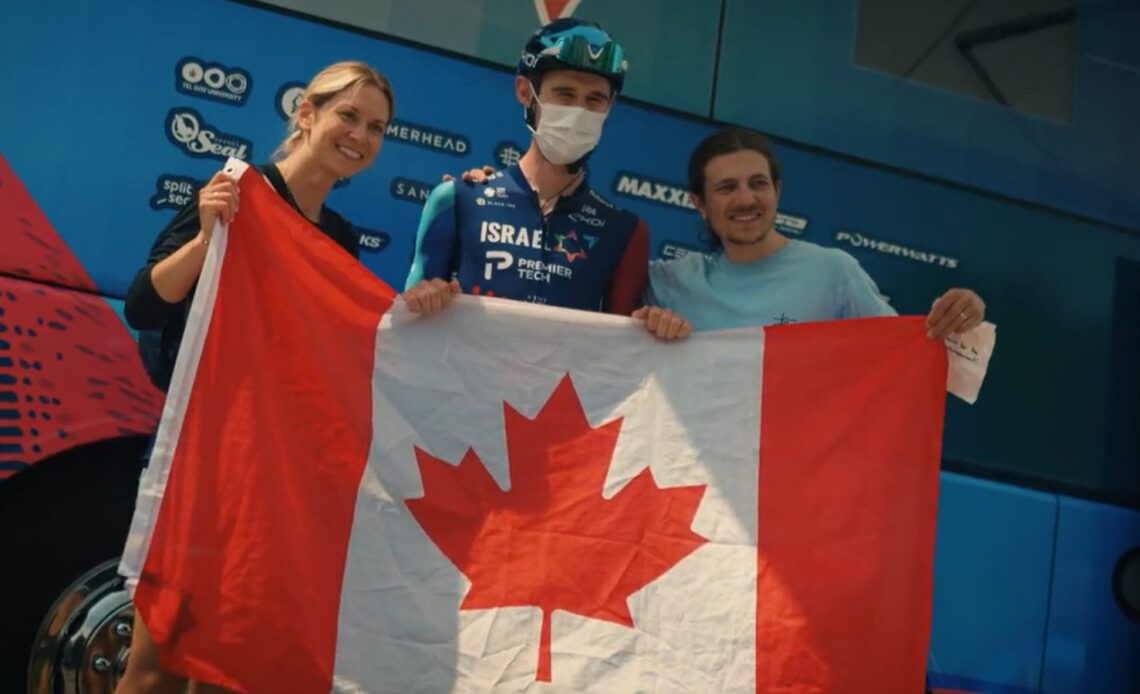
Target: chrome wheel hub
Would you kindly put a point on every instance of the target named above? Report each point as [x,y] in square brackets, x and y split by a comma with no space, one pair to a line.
[83,643]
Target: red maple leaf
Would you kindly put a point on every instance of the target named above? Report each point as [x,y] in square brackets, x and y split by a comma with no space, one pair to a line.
[552,540]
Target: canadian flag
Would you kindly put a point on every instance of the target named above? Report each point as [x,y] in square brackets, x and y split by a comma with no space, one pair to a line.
[509,497]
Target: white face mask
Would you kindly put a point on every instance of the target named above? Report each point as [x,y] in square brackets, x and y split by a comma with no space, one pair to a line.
[565,134]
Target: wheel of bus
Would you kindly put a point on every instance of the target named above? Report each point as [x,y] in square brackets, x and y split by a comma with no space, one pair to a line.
[65,613]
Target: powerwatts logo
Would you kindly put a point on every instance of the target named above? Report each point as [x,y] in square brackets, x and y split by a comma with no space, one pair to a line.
[409,190]
[372,241]
[288,97]
[790,225]
[186,128]
[654,191]
[173,192]
[197,77]
[857,240]
[428,138]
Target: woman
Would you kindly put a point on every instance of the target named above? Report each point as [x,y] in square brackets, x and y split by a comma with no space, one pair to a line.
[335,133]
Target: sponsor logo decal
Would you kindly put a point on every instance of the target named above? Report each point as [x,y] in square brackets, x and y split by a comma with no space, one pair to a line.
[373,241]
[189,131]
[173,192]
[507,153]
[410,191]
[209,80]
[670,250]
[636,186]
[856,240]
[288,96]
[428,138]
[790,225]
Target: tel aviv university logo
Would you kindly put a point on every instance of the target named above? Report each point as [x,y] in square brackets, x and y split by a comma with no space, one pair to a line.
[214,81]
[188,130]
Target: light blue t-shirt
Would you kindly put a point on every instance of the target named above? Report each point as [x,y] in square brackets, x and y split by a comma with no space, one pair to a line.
[801,282]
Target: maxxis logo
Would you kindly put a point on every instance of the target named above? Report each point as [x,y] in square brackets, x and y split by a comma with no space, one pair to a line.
[187,130]
[645,188]
[208,80]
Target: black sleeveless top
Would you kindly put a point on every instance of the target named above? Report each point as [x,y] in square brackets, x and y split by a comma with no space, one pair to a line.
[160,323]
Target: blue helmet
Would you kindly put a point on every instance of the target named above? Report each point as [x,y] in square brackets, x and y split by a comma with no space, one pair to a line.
[574,44]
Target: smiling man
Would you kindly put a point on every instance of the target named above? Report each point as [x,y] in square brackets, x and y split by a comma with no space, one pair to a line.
[537,231]
[756,275]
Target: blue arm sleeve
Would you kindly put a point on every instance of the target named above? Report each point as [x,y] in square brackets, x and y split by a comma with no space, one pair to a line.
[437,237]
[861,295]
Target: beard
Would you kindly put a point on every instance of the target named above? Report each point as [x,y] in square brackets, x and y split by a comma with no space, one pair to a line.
[744,238]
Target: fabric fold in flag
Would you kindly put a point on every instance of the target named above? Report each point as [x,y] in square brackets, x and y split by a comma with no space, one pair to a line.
[507,497]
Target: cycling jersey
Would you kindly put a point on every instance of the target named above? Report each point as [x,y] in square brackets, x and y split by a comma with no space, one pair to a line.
[493,238]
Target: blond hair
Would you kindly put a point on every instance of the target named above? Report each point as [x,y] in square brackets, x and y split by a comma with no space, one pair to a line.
[326,85]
